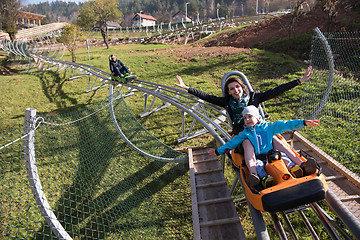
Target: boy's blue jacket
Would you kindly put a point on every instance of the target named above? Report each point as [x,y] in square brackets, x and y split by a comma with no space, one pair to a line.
[261,135]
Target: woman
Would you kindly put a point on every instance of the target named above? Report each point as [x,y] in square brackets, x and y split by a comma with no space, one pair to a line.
[237,97]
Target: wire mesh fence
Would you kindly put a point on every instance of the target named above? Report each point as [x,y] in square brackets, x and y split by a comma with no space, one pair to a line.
[333,95]
[97,187]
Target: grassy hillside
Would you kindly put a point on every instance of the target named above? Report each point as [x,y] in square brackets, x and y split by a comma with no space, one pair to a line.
[51,93]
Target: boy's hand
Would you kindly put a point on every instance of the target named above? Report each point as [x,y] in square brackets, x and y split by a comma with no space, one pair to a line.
[313,123]
[211,152]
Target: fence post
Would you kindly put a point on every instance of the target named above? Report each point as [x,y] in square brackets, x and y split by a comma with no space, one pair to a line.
[33,176]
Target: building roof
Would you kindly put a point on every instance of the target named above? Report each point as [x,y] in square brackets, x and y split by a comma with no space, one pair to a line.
[179,13]
[144,16]
[113,24]
[31,15]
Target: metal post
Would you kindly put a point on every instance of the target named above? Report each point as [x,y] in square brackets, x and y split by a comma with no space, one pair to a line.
[33,176]
[140,12]
[88,47]
[186,11]
[308,225]
[278,226]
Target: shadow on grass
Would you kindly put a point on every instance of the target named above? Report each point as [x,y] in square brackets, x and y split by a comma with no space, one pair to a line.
[8,66]
[52,85]
[100,195]
[108,224]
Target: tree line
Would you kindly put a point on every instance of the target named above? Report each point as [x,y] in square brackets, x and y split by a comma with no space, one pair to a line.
[96,14]
[163,10]
[55,11]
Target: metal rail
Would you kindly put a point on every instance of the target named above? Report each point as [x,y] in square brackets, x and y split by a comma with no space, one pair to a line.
[34,180]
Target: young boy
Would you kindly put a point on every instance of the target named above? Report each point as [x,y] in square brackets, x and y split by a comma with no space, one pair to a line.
[260,135]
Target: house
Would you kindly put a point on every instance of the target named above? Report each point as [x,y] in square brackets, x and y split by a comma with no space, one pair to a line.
[112,25]
[27,19]
[180,16]
[143,20]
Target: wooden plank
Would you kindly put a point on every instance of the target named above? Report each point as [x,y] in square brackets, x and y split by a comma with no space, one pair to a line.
[205,161]
[220,222]
[350,198]
[212,184]
[209,171]
[333,178]
[195,210]
[216,200]
[217,213]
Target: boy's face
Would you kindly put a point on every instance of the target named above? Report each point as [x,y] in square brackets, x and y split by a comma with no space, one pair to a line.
[250,120]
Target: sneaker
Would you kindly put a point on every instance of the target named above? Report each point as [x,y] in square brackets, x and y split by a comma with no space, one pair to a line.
[309,167]
[253,180]
[267,181]
[296,171]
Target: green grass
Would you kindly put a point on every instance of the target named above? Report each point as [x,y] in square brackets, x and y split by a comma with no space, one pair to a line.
[51,93]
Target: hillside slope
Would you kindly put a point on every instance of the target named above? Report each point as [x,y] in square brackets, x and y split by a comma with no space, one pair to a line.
[279,27]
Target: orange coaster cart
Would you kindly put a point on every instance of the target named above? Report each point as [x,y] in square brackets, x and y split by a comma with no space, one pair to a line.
[288,192]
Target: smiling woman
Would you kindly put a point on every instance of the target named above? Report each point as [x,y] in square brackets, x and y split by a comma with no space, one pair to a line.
[237,96]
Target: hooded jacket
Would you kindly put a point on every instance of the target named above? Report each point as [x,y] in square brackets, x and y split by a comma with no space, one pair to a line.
[261,135]
[118,64]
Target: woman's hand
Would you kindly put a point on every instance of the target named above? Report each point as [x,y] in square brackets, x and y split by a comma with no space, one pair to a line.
[313,123]
[307,75]
[181,83]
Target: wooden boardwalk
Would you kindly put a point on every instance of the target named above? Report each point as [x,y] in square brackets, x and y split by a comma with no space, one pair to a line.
[214,213]
[29,33]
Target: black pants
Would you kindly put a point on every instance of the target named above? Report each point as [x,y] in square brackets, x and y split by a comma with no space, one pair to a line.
[121,71]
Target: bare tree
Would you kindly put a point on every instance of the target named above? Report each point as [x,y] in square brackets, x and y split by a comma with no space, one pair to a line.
[295,14]
[8,16]
[70,35]
[330,8]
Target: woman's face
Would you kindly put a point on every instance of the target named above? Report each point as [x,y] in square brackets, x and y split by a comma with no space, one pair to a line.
[235,90]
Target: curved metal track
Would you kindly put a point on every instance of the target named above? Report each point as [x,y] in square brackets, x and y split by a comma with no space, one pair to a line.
[343,196]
